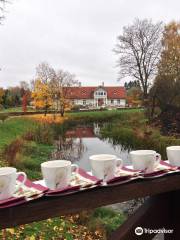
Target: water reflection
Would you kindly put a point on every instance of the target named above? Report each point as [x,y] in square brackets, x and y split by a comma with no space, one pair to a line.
[69,148]
[83,141]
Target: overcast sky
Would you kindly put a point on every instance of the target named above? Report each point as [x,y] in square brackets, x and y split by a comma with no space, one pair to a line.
[74,35]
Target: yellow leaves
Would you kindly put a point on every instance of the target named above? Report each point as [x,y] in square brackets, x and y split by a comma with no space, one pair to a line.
[49,118]
[55,228]
[41,95]
[170,57]
[32,238]
[1,94]
[10,230]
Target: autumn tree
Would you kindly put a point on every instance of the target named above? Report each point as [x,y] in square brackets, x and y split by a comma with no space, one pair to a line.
[1,95]
[41,96]
[50,89]
[166,89]
[139,49]
[25,95]
[41,93]
[60,87]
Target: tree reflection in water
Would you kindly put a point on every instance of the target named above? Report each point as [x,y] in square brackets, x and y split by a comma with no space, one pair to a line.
[70,149]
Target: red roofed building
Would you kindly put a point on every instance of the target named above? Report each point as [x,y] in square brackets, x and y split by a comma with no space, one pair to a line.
[100,96]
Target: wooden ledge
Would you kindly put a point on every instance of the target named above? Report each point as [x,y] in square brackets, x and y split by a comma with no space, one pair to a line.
[47,207]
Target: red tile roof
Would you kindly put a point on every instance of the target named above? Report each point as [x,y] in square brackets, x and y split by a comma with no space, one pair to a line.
[80,132]
[88,92]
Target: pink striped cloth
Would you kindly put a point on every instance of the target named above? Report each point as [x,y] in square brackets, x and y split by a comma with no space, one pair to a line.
[91,181]
[14,201]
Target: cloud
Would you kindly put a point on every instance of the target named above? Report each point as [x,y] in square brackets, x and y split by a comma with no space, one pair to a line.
[76,35]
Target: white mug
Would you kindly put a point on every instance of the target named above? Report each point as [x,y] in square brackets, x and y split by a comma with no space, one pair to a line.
[173,154]
[146,160]
[57,173]
[8,176]
[104,166]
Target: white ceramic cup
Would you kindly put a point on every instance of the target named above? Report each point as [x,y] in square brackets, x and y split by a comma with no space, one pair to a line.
[173,154]
[8,176]
[57,173]
[146,160]
[103,166]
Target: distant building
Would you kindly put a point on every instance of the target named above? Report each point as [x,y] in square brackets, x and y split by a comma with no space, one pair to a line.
[100,96]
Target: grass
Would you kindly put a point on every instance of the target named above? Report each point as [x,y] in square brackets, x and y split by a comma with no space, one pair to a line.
[57,228]
[101,116]
[13,128]
[31,157]
[96,225]
[15,109]
[107,219]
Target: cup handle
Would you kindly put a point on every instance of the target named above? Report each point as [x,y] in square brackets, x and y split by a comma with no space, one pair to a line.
[24,180]
[158,158]
[74,168]
[119,163]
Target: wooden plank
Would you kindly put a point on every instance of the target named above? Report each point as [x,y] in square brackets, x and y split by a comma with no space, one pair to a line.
[153,214]
[55,206]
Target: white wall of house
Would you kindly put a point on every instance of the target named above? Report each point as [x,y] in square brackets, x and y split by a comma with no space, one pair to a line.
[117,102]
[94,102]
[85,102]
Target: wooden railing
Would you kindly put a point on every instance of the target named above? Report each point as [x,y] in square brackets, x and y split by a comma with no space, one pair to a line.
[161,210]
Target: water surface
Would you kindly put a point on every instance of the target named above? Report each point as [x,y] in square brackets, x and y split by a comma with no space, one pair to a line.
[82,142]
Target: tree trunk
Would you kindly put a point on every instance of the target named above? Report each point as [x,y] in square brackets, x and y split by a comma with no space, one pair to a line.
[62,111]
[153,107]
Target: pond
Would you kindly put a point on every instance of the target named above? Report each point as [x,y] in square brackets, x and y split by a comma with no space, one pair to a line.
[83,141]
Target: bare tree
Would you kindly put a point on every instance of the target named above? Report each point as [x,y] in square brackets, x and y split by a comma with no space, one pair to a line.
[2,6]
[60,87]
[45,72]
[139,49]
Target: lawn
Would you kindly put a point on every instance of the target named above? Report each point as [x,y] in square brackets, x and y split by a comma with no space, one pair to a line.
[13,128]
[15,109]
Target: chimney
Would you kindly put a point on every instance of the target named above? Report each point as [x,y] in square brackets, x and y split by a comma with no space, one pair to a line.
[79,84]
[102,84]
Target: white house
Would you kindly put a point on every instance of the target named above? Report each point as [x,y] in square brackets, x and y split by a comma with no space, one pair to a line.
[100,96]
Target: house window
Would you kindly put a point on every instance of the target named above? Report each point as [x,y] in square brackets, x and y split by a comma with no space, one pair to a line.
[73,102]
[118,102]
[84,102]
[100,93]
[112,101]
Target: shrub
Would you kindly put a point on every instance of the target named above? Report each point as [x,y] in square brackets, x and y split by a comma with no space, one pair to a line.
[76,108]
[107,219]
[43,133]
[3,117]
[12,150]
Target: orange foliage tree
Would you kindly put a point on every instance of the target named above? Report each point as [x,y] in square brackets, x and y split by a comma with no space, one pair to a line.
[1,95]
[41,95]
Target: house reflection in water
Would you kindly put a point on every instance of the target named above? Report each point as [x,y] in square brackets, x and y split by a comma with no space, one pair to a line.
[84,132]
[71,147]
